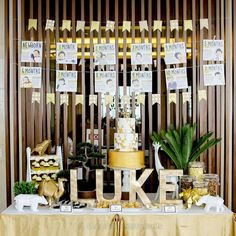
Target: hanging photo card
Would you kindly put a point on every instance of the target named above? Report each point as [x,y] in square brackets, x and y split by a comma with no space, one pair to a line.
[175,53]
[66,81]
[213,50]
[141,81]
[104,54]
[105,81]
[141,54]
[30,77]
[213,74]
[176,78]
[31,51]
[66,53]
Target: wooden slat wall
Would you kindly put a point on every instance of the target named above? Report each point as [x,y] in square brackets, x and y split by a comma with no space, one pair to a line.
[158,58]
[48,87]
[74,68]
[55,121]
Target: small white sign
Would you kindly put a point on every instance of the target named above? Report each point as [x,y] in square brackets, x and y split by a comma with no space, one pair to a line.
[66,53]
[115,208]
[31,51]
[213,50]
[175,53]
[66,208]
[104,54]
[66,81]
[176,78]
[141,54]
[141,81]
[105,82]
[30,77]
[213,74]
[169,209]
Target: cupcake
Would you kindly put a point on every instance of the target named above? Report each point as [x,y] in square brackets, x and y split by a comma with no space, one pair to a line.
[34,177]
[38,178]
[42,163]
[44,176]
[37,165]
[55,164]
[53,176]
[50,162]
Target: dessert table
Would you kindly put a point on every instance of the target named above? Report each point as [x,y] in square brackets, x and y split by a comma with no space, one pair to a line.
[97,222]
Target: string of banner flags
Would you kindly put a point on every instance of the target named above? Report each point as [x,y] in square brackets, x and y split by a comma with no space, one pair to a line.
[110,25]
[125,99]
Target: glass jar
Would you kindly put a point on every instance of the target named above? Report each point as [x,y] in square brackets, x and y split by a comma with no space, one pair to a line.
[213,183]
[186,182]
[196,169]
[201,187]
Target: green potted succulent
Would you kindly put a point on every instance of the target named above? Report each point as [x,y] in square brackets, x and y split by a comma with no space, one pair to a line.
[180,145]
[88,158]
[24,187]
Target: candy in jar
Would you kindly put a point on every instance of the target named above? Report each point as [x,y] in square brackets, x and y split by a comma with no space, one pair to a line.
[196,169]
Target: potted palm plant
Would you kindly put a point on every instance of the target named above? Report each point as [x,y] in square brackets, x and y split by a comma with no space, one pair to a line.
[180,145]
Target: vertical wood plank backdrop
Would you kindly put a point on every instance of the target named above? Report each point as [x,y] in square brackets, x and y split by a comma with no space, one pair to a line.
[30,123]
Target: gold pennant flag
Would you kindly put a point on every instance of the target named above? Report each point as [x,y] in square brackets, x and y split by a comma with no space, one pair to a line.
[186,97]
[126,26]
[66,24]
[188,25]
[125,99]
[110,25]
[202,95]
[157,25]
[108,99]
[50,25]
[92,100]
[156,98]
[64,99]
[203,23]
[143,25]
[80,24]
[95,26]
[50,98]
[36,97]
[141,99]
[172,98]
[174,24]
[32,24]
[79,99]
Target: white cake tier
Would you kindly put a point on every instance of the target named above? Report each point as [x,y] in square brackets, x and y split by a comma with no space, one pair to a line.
[126,142]
[126,125]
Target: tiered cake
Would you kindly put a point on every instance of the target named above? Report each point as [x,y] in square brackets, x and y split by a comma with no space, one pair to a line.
[125,153]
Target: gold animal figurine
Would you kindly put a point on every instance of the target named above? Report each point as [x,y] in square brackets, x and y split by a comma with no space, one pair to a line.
[51,190]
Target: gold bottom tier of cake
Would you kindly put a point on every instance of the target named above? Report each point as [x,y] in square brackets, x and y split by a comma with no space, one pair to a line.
[126,160]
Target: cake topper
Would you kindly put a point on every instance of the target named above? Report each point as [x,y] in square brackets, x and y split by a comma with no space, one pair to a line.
[125,114]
